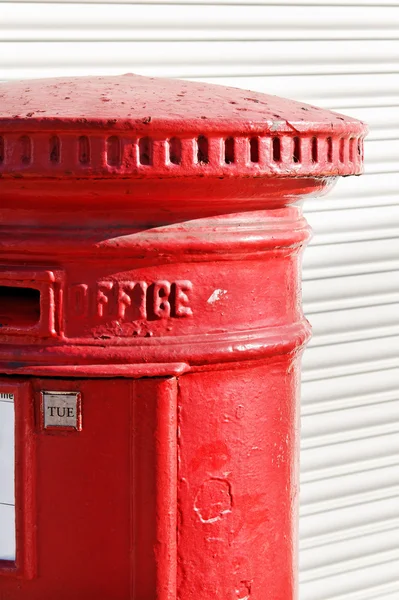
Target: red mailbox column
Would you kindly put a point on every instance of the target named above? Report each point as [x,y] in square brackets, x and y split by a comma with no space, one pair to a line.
[151,333]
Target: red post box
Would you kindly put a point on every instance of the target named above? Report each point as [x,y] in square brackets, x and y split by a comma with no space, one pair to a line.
[151,333]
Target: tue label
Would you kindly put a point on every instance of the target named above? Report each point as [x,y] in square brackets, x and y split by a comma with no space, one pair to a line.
[61,409]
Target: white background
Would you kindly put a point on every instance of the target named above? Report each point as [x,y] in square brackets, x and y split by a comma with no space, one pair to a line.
[338,54]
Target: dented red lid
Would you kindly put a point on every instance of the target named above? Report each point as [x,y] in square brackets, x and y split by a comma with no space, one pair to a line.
[134,126]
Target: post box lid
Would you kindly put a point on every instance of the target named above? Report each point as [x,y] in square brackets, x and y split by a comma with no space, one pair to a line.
[144,127]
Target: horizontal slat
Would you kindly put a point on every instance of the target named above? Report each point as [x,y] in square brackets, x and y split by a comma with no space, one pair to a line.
[355,224]
[352,201]
[360,581]
[364,323]
[353,564]
[107,22]
[350,358]
[349,421]
[339,293]
[389,591]
[349,453]
[384,124]
[338,260]
[196,59]
[359,485]
[347,501]
[350,390]
[348,533]
[351,435]
[340,522]
[385,167]
[339,555]
[356,399]
[381,156]
[348,468]
[326,90]
[344,335]
[358,192]
[385,591]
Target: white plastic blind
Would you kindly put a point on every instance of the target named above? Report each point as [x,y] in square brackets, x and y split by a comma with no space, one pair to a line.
[337,54]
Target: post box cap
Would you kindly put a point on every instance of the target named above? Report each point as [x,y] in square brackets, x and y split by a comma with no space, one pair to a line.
[143,127]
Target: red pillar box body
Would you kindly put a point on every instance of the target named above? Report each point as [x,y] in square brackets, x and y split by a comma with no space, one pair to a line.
[151,334]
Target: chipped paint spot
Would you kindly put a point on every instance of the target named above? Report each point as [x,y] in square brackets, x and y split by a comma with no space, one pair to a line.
[216,296]
[214,500]
[276,125]
[244,590]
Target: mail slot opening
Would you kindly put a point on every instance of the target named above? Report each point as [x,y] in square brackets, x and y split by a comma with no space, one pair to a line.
[19,307]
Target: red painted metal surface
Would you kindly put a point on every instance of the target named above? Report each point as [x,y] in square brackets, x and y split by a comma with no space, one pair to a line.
[150,251]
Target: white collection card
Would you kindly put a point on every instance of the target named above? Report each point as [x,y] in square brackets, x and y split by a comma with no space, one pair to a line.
[7,532]
[7,476]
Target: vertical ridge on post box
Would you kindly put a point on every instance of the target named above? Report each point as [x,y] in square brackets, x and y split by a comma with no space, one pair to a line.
[154,489]
[233,470]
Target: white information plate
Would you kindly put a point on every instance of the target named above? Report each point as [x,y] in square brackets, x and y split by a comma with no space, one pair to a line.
[61,410]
